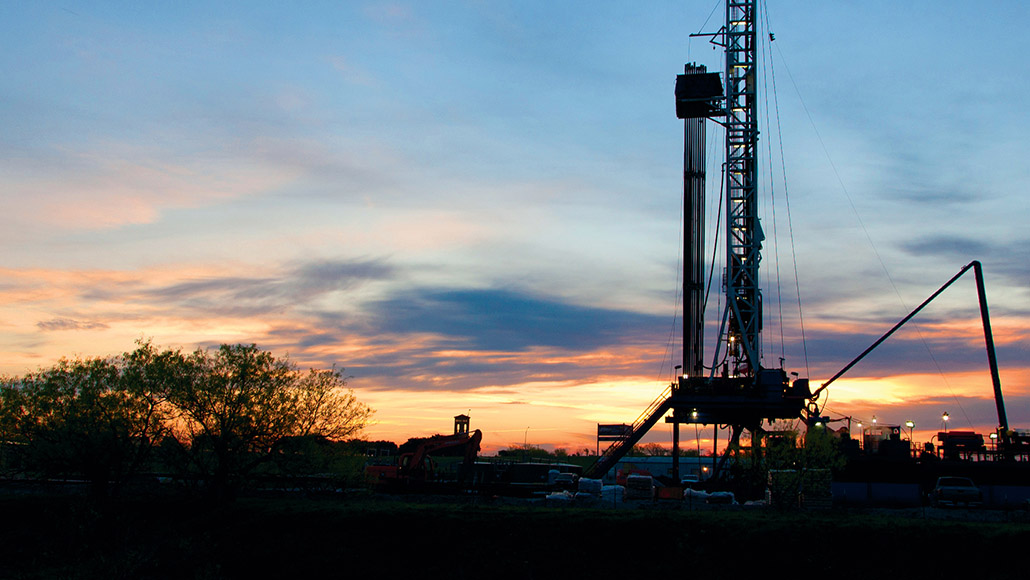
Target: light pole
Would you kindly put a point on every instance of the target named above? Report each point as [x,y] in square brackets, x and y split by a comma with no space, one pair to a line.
[911,425]
[525,445]
[994,441]
[944,420]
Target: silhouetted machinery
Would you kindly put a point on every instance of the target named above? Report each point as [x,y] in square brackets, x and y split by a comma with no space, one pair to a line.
[416,466]
[737,390]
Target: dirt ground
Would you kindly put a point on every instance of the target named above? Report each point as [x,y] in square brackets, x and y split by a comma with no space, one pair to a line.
[61,537]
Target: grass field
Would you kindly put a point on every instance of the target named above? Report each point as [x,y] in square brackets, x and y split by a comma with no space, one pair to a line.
[62,537]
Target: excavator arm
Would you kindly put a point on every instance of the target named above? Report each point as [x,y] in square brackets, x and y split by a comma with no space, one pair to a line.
[415,463]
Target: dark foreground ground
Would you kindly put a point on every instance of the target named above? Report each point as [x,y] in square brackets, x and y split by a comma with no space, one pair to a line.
[64,537]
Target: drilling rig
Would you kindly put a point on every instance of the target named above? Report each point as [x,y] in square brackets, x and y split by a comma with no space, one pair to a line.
[736,390]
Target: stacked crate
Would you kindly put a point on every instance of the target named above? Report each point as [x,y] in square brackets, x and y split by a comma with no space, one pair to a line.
[783,488]
[815,489]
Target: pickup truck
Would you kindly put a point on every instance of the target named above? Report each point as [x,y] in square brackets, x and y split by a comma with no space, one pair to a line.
[955,490]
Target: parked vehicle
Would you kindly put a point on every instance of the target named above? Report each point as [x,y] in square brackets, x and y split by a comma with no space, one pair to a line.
[955,490]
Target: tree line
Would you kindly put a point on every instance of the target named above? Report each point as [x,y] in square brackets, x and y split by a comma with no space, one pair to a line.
[213,420]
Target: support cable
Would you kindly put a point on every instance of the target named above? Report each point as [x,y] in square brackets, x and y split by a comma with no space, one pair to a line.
[670,343]
[715,245]
[715,250]
[869,238]
[772,196]
[786,196]
[885,336]
[690,37]
[697,439]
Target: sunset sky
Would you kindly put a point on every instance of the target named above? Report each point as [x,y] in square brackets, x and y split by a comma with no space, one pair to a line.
[476,206]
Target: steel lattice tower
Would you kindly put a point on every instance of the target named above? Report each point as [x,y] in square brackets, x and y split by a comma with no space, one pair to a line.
[743,232]
[748,395]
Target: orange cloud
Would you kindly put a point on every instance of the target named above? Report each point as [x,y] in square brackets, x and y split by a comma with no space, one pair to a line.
[112,185]
[418,381]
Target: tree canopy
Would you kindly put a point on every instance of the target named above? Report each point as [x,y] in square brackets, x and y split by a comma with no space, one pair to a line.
[215,416]
[82,417]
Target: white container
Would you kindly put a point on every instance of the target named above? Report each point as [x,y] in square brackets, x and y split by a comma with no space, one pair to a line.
[591,486]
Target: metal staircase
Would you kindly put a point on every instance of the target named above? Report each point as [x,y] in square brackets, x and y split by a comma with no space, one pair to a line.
[655,411]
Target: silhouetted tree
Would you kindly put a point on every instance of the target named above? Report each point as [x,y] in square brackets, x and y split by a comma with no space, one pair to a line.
[822,450]
[314,463]
[243,405]
[649,450]
[818,448]
[91,417]
[525,452]
[372,448]
[213,416]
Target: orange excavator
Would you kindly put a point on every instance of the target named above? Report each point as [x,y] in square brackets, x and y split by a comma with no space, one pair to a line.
[415,465]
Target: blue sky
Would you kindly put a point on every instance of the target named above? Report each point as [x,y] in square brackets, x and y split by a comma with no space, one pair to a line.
[477,204]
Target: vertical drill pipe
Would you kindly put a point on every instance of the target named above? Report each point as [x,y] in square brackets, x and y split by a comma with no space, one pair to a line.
[676,452]
[715,449]
[693,239]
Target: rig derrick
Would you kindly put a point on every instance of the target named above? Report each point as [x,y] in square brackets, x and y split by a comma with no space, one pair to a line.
[737,391]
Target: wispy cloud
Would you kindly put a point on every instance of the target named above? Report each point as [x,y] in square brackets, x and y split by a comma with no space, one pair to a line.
[110,187]
[255,296]
[390,12]
[1007,258]
[948,246]
[69,324]
[508,320]
[353,73]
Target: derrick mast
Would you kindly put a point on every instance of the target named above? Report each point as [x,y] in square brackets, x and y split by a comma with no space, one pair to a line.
[738,393]
[743,232]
